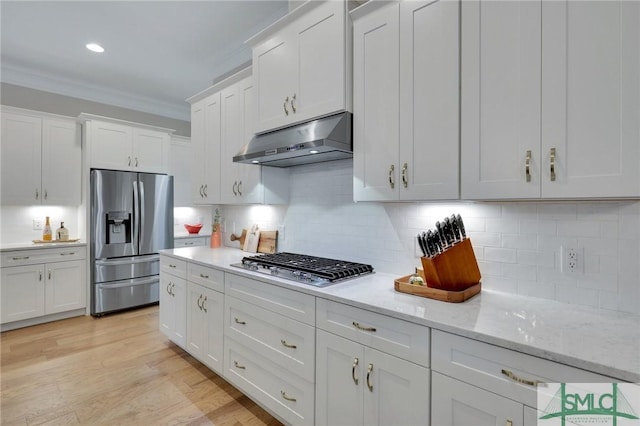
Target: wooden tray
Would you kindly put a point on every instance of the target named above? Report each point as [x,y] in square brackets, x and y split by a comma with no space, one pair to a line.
[402,285]
[56,241]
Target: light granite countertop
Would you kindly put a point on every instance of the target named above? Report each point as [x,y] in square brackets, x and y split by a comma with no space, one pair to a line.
[605,342]
[34,246]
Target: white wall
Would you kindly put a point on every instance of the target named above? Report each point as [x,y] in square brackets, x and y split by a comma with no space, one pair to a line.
[517,244]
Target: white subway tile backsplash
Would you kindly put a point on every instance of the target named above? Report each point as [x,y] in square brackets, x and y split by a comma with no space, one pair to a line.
[517,244]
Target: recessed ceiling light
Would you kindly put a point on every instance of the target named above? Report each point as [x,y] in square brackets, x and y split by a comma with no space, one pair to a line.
[255,162]
[313,151]
[95,47]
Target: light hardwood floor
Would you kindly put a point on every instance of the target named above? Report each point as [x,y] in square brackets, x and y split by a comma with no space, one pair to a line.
[114,370]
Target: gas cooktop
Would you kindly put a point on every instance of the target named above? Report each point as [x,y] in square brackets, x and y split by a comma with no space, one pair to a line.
[312,270]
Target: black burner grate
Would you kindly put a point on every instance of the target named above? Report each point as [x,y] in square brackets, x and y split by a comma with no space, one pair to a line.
[330,269]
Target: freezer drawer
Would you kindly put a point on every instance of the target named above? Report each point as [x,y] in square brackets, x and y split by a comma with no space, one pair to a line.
[125,294]
[106,270]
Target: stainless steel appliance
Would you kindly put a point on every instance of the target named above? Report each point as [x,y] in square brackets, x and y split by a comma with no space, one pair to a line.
[312,270]
[131,219]
[324,139]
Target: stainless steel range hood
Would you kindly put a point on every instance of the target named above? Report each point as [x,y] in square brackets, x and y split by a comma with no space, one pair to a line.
[324,139]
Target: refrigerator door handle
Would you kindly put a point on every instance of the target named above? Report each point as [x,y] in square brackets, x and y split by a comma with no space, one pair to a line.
[129,283]
[136,217]
[141,203]
[127,260]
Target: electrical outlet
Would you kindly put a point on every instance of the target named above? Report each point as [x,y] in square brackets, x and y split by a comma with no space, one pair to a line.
[281,232]
[572,259]
[37,224]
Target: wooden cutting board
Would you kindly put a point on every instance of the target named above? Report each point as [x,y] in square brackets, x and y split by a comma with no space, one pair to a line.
[241,238]
[268,241]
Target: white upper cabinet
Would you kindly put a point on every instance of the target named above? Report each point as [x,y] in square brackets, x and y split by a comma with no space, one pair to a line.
[205,139]
[119,145]
[41,159]
[550,99]
[180,168]
[301,66]
[406,101]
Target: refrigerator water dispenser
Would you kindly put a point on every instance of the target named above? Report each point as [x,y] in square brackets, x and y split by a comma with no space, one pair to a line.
[118,227]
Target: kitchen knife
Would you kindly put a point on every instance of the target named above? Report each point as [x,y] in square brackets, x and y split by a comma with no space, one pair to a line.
[426,245]
[448,231]
[455,228]
[421,245]
[463,232]
[432,243]
[440,234]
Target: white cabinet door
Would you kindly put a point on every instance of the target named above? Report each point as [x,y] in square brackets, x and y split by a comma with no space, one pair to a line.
[376,105]
[500,110]
[454,403]
[205,325]
[396,392]
[591,98]
[340,379]
[320,37]
[150,151]
[274,66]
[65,288]
[22,292]
[111,145]
[21,159]
[205,139]
[61,163]
[173,308]
[180,161]
[250,189]
[429,100]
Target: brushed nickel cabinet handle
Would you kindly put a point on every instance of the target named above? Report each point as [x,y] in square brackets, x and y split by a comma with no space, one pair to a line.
[235,185]
[239,322]
[129,160]
[168,285]
[288,398]
[203,275]
[46,194]
[172,265]
[204,190]
[136,161]
[37,194]
[527,166]
[517,379]
[405,182]
[240,188]
[552,164]
[237,365]
[40,276]
[204,308]
[198,302]
[353,370]
[286,101]
[172,292]
[360,327]
[190,243]
[71,253]
[201,194]
[287,345]
[293,103]
[369,372]
[21,258]
[49,274]
[392,182]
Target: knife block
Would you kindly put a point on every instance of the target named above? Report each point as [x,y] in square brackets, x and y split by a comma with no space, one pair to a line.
[455,269]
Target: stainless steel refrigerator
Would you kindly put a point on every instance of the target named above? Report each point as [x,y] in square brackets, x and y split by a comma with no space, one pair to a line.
[131,219]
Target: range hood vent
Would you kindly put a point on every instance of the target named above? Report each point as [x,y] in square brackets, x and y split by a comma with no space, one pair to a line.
[324,139]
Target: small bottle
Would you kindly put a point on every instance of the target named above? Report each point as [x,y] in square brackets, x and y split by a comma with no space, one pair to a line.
[46,232]
[62,233]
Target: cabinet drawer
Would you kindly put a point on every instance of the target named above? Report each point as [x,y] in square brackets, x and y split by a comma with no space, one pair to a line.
[208,277]
[488,366]
[190,242]
[173,266]
[290,303]
[286,342]
[391,335]
[273,386]
[31,257]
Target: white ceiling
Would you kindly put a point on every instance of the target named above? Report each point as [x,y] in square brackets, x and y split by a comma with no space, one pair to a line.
[158,53]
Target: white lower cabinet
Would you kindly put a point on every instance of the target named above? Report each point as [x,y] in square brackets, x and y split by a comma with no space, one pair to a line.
[205,310]
[270,347]
[455,403]
[370,369]
[173,300]
[36,283]
[358,385]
